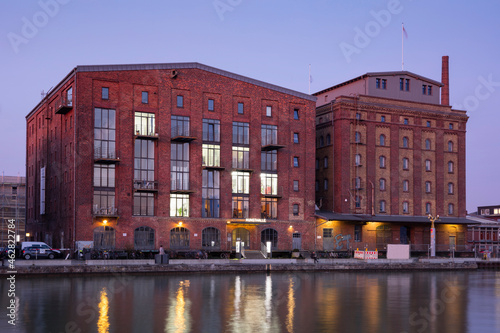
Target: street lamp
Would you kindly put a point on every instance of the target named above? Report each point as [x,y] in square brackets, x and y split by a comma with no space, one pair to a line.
[433,234]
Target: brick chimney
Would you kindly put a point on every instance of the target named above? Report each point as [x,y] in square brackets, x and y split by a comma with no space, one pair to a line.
[445,79]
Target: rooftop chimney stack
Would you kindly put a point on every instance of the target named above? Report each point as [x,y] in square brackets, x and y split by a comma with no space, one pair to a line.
[445,79]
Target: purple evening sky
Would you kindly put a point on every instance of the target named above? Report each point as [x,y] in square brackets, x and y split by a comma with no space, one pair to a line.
[273,41]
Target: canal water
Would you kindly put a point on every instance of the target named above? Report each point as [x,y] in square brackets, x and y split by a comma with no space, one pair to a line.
[458,301]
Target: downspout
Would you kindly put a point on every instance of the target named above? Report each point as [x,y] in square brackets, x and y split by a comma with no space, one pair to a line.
[75,128]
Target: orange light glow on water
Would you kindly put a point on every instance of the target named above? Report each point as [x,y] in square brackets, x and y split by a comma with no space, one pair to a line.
[103,323]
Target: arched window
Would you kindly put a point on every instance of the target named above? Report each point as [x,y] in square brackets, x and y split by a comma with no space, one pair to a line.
[450,145]
[406,186]
[406,142]
[427,144]
[406,207]
[357,182]
[357,137]
[382,206]
[328,139]
[382,161]
[427,165]
[450,167]
[406,163]
[428,208]
[144,238]
[244,236]
[357,159]
[104,238]
[427,187]
[210,238]
[382,139]
[269,235]
[179,238]
[450,188]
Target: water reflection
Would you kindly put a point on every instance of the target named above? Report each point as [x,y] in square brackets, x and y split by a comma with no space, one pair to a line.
[276,302]
[103,322]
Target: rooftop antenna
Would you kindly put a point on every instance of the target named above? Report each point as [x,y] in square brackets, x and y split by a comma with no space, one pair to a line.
[403,35]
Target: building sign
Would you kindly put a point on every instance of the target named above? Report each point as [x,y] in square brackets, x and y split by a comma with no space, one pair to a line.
[42,190]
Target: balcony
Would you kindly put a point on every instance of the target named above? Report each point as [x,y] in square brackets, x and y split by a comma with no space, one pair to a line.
[270,192]
[146,136]
[183,138]
[145,186]
[104,211]
[181,191]
[63,105]
[272,146]
[105,157]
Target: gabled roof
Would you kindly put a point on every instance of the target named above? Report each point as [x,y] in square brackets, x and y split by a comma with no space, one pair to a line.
[380,74]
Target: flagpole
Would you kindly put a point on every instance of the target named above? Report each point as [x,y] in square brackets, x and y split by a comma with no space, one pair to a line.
[402,46]
[309,79]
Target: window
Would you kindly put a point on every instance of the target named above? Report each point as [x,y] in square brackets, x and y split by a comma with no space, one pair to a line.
[450,209]
[240,207]
[241,157]
[105,93]
[406,121]
[407,85]
[104,175]
[429,90]
[325,184]
[328,139]
[382,139]
[406,186]
[424,89]
[269,208]
[428,208]
[144,204]
[269,110]
[240,133]
[210,238]
[269,160]
[240,182]
[144,123]
[384,84]
[210,155]
[357,160]
[179,166]
[450,167]
[327,233]
[321,141]
[428,123]
[316,185]
[211,105]
[357,233]
[406,208]
[382,119]
[406,164]
[269,183]
[358,116]
[269,135]
[382,206]
[295,162]
[427,187]
[296,114]
[357,183]
[104,133]
[240,108]
[180,101]
[427,165]
[104,201]
[69,97]
[406,142]
[180,126]
[104,238]
[382,184]
[179,238]
[427,144]
[210,193]
[145,97]
[295,210]
[144,238]
[378,83]
[325,162]
[295,137]
[211,130]
[179,205]
[450,145]
[296,185]
[144,163]
[357,137]
[382,161]
[401,84]
[450,188]
[357,201]
[317,164]
[450,125]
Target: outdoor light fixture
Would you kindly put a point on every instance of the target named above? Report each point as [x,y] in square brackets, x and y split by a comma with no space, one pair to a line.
[105,221]
[28,234]
[180,223]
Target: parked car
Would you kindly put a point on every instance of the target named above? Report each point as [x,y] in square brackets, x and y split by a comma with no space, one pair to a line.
[40,252]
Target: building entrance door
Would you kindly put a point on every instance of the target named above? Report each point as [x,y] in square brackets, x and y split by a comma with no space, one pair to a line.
[327,239]
[244,236]
[296,241]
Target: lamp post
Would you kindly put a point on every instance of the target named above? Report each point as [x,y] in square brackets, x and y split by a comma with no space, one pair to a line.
[433,234]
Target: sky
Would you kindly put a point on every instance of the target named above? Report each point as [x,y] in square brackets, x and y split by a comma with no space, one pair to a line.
[272,41]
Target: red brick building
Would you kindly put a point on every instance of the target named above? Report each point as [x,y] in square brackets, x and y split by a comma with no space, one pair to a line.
[390,152]
[135,156]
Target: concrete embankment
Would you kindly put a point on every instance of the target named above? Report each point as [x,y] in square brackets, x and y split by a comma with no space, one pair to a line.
[69,267]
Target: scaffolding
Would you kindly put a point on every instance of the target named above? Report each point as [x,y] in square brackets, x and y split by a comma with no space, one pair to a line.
[12,208]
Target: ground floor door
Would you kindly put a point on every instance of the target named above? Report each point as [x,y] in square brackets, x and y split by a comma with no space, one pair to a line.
[404,235]
[328,239]
[244,236]
[296,241]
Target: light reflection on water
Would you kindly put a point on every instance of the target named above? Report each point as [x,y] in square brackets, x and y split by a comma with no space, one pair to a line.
[278,302]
